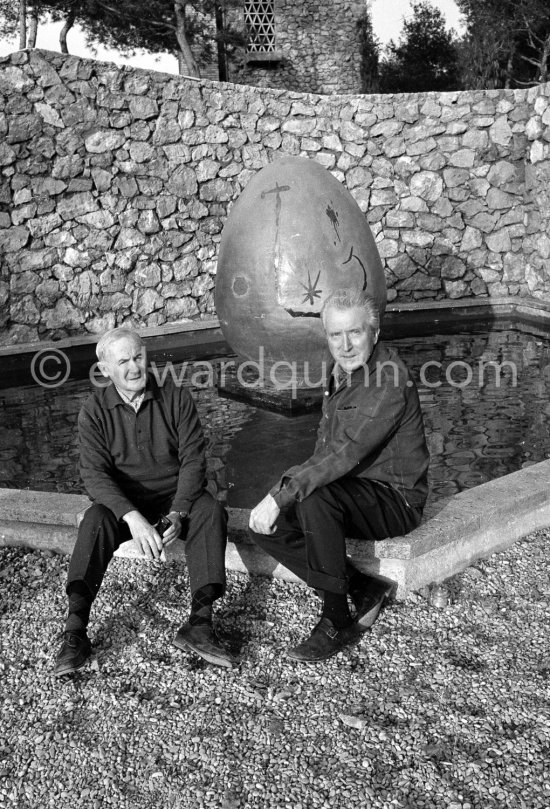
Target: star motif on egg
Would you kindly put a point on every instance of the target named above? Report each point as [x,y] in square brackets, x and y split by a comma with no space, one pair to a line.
[311,289]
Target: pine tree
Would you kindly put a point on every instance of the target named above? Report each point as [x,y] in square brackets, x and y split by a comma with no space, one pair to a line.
[425,58]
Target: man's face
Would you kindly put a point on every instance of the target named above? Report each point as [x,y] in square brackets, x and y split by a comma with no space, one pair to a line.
[126,365]
[350,339]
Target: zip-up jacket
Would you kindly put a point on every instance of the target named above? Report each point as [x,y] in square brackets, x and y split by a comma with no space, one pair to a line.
[371,427]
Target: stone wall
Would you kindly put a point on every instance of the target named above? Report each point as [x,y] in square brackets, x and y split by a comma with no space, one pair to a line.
[318,43]
[115,184]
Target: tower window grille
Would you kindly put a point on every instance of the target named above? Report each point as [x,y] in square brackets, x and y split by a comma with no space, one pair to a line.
[259,20]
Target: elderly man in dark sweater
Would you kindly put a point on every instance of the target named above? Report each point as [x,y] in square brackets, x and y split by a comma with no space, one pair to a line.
[142,458]
[366,478]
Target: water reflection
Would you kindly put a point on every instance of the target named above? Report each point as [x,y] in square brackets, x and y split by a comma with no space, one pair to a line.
[476,432]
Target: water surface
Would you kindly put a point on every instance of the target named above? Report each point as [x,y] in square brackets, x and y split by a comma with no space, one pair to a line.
[498,423]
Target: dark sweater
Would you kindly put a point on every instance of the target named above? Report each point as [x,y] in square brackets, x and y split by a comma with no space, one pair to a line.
[141,461]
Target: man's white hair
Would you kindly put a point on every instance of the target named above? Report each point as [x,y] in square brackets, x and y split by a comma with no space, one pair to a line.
[113,336]
[353,299]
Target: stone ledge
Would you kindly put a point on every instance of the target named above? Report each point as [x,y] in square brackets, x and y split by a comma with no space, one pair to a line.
[505,304]
[147,332]
[477,509]
[42,508]
[455,532]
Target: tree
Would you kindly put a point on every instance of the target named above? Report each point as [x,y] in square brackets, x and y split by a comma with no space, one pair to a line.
[183,42]
[184,27]
[191,29]
[34,13]
[507,42]
[537,50]
[126,25]
[22,24]
[20,17]
[10,15]
[370,54]
[425,58]
[532,42]
[489,47]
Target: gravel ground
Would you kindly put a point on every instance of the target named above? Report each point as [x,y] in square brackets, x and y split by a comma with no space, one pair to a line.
[445,708]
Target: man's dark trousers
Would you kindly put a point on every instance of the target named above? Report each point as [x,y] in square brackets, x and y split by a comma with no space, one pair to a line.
[100,534]
[310,535]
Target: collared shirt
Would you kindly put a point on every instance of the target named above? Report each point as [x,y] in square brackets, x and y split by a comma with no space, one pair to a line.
[371,427]
[340,376]
[135,402]
[146,459]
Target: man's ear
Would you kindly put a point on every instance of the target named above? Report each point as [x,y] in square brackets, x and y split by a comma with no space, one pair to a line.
[104,368]
[376,333]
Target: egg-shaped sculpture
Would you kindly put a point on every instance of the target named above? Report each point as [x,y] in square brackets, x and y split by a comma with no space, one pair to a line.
[294,235]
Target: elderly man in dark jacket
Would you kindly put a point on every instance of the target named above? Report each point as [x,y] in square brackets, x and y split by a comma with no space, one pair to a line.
[367,477]
[142,462]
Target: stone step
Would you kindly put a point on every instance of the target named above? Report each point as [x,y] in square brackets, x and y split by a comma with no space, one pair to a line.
[453,534]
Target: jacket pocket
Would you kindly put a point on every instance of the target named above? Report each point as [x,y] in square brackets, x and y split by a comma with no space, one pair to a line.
[347,413]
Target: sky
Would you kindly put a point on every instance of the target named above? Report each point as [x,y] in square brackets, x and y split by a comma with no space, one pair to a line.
[387,20]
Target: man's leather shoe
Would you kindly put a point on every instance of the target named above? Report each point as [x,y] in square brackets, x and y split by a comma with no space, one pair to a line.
[369,600]
[325,641]
[202,640]
[75,651]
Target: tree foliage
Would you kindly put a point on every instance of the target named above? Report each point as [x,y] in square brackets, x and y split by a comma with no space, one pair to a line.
[425,57]
[193,30]
[9,17]
[370,55]
[507,42]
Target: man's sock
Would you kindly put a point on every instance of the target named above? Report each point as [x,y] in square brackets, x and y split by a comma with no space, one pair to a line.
[80,605]
[201,604]
[335,608]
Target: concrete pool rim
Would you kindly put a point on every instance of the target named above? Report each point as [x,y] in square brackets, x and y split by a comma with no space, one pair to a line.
[454,532]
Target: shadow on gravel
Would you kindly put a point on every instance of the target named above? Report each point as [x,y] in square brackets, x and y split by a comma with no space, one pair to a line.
[240,611]
[167,587]
[251,600]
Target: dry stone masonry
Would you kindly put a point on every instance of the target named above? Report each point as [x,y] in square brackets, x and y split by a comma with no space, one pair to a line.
[317,48]
[115,184]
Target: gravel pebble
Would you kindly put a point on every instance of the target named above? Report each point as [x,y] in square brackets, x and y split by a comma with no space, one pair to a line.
[434,709]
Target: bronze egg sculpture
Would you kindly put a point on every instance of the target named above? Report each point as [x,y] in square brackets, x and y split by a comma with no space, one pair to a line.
[293,236]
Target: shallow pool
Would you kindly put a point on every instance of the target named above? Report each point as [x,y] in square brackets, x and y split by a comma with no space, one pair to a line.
[482,421]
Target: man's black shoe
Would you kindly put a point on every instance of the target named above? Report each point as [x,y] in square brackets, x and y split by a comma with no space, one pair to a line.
[75,651]
[369,600]
[325,641]
[201,639]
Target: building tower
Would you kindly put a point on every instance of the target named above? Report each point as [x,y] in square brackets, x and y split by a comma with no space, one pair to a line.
[304,45]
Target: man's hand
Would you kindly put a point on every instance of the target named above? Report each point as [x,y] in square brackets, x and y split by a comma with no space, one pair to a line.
[145,535]
[175,529]
[264,516]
